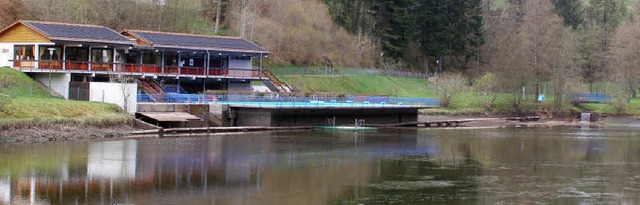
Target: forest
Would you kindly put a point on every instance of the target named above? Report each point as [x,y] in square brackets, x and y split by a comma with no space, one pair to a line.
[549,46]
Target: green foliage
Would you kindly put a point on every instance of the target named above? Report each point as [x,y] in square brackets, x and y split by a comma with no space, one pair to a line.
[486,86]
[449,29]
[571,11]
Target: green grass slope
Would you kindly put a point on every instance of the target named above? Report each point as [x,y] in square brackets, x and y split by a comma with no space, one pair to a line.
[26,101]
[362,85]
[465,103]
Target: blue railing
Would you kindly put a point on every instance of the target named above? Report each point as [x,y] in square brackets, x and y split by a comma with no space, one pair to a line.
[290,100]
[590,98]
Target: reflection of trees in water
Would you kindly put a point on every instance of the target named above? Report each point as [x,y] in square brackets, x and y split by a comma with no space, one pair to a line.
[418,176]
[321,168]
[550,165]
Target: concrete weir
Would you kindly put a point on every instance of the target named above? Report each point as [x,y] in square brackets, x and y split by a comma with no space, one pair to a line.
[241,115]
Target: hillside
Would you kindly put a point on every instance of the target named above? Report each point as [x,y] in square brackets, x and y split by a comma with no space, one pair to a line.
[362,85]
[27,102]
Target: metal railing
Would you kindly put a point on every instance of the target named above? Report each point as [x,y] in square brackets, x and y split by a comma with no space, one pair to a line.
[324,71]
[270,100]
[589,98]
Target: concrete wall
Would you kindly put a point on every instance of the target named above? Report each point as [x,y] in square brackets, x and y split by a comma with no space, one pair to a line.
[59,82]
[6,54]
[239,87]
[112,93]
[240,64]
[251,117]
[318,117]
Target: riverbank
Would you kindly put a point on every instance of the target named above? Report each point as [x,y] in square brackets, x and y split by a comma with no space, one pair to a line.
[63,133]
[502,121]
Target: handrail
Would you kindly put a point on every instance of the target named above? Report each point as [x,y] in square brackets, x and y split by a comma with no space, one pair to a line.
[349,101]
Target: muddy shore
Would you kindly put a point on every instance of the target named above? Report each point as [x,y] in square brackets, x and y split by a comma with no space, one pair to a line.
[63,133]
[70,133]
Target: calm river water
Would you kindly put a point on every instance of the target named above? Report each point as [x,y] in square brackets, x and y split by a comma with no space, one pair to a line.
[474,166]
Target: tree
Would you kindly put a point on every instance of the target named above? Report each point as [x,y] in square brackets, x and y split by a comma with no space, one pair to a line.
[449,85]
[12,10]
[124,87]
[571,12]
[625,51]
[487,87]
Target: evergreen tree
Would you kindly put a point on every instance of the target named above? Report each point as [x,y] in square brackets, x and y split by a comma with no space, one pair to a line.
[571,12]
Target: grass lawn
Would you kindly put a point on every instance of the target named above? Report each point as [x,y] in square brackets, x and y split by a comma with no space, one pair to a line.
[632,108]
[465,103]
[362,85]
[28,102]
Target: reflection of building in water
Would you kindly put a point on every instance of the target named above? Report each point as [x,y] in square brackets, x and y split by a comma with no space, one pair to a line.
[112,160]
[5,190]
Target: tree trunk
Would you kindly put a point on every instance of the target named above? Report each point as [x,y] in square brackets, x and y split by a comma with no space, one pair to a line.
[218,10]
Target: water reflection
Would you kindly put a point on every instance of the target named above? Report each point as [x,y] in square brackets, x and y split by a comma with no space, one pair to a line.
[387,167]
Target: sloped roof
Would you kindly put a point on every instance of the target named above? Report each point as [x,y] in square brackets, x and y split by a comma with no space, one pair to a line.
[200,42]
[75,32]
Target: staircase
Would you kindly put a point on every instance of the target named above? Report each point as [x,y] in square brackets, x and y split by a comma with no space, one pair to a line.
[151,88]
[274,84]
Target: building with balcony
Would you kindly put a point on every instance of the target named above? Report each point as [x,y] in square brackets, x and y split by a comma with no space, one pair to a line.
[69,57]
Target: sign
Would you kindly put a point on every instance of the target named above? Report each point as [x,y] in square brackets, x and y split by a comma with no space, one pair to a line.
[4,50]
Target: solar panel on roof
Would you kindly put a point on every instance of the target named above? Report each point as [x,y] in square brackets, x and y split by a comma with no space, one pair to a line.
[77,31]
[197,41]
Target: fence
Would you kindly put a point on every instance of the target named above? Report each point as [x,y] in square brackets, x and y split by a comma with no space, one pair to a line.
[294,101]
[590,98]
[325,71]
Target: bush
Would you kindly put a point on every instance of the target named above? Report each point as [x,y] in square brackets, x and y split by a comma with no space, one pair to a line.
[619,106]
[486,87]
[450,85]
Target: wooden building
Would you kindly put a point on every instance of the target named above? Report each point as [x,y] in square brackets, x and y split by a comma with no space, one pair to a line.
[90,53]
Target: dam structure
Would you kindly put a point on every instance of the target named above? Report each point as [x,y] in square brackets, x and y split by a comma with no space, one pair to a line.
[293,111]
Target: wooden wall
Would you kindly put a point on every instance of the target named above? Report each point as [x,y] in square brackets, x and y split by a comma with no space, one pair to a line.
[20,33]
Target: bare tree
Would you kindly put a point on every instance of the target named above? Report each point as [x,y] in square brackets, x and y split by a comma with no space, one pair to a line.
[124,81]
[449,85]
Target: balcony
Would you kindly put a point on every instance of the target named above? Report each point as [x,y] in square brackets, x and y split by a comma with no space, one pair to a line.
[134,69]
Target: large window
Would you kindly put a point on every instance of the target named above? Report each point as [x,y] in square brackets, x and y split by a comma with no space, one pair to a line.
[44,53]
[151,57]
[133,57]
[77,54]
[102,55]
[24,52]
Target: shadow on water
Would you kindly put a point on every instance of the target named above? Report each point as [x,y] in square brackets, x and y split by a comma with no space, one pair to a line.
[489,166]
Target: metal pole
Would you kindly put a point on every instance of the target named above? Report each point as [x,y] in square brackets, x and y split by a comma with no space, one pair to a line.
[260,77]
[50,68]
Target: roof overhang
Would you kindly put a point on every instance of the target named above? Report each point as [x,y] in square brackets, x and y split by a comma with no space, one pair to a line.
[91,42]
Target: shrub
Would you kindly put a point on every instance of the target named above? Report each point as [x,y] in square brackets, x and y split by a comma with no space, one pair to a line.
[486,87]
[450,85]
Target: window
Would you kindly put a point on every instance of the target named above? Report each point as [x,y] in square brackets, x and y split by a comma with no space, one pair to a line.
[100,55]
[24,52]
[77,54]
[44,53]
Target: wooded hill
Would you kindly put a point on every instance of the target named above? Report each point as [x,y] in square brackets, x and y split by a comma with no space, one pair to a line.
[535,43]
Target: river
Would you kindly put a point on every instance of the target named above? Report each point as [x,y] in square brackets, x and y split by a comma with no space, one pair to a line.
[407,166]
